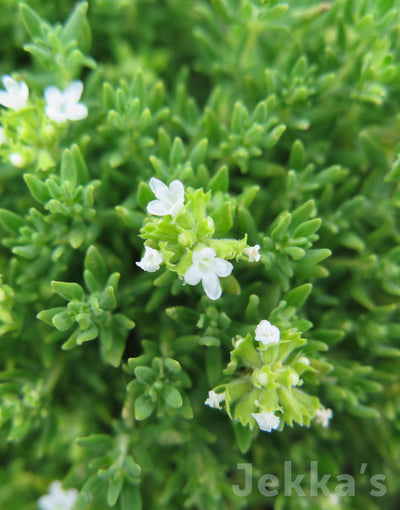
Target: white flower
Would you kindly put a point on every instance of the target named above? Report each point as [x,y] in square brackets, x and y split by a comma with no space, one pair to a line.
[151,260]
[64,105]
[267,333]
[169,198]
[266,420]
[253,253]
[215,399]
[322,417]
[207,267]
[17,159]
[305,361]
[58,499]
[16,94]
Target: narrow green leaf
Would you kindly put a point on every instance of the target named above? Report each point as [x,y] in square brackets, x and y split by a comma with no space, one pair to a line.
[68,169]
[220,181]
[298,296]
[114,487]
[11,222]
[33,23]
[131,498]
[94,262]
[38,189]
[68,290]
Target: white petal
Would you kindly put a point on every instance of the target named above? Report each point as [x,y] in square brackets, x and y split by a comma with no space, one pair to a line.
[24,92]
[53,95]
[77,111]
[55,114]
[73,92]
[200,255]
[158,208]
[45,503]
[211,286]
[5,99]
[192,275]
[222,267]
[55,487]
[158,188]
[10,84]
[177,190]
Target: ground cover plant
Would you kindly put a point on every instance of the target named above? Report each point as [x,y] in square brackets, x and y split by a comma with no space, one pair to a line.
[200,279]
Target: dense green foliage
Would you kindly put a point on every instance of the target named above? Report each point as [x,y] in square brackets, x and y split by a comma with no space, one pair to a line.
[281,120]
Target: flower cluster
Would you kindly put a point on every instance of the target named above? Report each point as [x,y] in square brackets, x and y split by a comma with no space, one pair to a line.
[58,498]
[267,393]
[60,105]
[183,239]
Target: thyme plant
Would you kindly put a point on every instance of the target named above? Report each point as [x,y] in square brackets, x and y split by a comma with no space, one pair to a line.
[200,260]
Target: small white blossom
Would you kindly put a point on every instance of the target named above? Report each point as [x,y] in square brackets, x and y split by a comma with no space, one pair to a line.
[323,416]
[17,159]
[305,361]
[151,260]
[16,94]
[58,498]
[267,333]
[215,399]
[207,267]
[266,420]
[169,198]
[64,105]
[253,253]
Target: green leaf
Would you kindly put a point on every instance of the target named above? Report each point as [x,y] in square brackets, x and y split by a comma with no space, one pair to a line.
[144,195]
[172,396]
[96,443]
[107,300]
[223,219]
[302,213]
[87,335]
[94,262]
[77,27]
[220,181]
[68,290]
[38,189]
[90,492]
[177,152]
[183,315]
[47,315]
[63,320]
[114,487]
[145,375]
[297,156]
[298,296]
[274,136]
[144,406]
[11,222]
[307,228]
[199,152]
[210,341]
[80,165]
[213,359]
[68,169]
[243,437]
[33,23]
[280,225]
[131,498]
[131,468]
